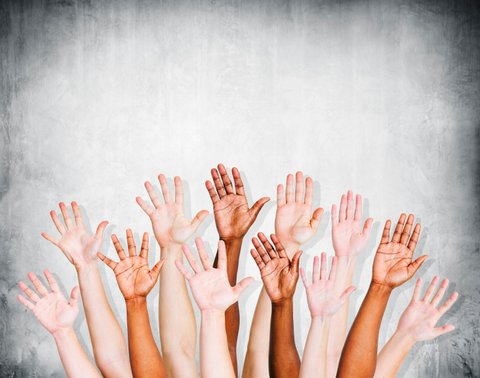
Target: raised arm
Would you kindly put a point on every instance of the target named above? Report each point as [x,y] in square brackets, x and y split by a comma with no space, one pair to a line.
[136,280]
[233,218]
[349,239]
[57,316]
[323,302]
[214,294]
[295,224]
[393,265]
[176,319]
[80,248]
[417,323]
[279,276]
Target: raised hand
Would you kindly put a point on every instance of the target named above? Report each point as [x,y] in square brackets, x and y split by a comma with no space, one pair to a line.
[348,237]
[169,223]
[321,296]
[421,316]
[294,222]
[279,273]
[133,275]
[51,309]
[75,242]
[393,264]
[233,216]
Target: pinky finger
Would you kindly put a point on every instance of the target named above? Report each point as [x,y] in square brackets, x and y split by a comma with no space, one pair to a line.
[448,303]
[50,238]
[74,295]
[439,331]
[25,302]
[183,270]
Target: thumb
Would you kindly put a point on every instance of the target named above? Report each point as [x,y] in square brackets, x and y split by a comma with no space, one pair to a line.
[367,227]
[316,217]
[415,265]
[296,261]
[100,229]
[257,206]
[156,269]
[74,295]
[346,293]
[242,285]
[443,330]
[199,218]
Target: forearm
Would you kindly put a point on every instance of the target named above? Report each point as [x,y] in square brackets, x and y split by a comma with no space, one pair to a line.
[359,354]
[145,358]
[392,355]
[283,356]
[108,341]
[336,340]
[176,318]
[74,359]
[314,360]
[215,359]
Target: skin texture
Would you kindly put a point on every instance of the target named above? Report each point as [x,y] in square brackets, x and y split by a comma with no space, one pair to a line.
[417,323]
[80,248]
[349,239]
[176,319]
[279,276]
[136,280]
[393,265]
[213,294]
[323,303]
[57,316]
[233,218]
[295,224]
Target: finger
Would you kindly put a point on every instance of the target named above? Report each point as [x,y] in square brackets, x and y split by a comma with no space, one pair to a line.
[242,285]
[38,284]
[25,302]
[199,218]
[227,184]
[143,204]
[218,183]
[299,188]
[237,178]
[165,189]
[77,214]
[191,259]
[66,215]
[205,260]
[308,191]
[398,229]
[304,277]
[261,251]
[29,292]
[278,246]
[440,293]
[367,227]
[280,195]
[118,247]
[257,206]
[316,269]
[222,256]
[257,258]
[177,181]
[211,191]
[343,208]
[157,268]
[110,263]
[323,266]
[439,331]
[132,248]
[412,244]
[430,289]
[358,208]
[290,194]
[100,229]
[350,208]
[296,261]
[334,215]
[267,245]
[407,229]
[333,269]
[316,218]
[346,293]
[417,290]
[448,303]
[386,232]
[181,268]
[415,265]
[144,248]
[52,282]
[50,238]
[153,196]
[74,296]
[57,222]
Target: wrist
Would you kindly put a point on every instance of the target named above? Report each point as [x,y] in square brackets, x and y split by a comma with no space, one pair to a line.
[170,249]
[212,314]
[380,289]
[135,302]
[405,339]
[63,333]
[281,303]
[86,268]
[232,242]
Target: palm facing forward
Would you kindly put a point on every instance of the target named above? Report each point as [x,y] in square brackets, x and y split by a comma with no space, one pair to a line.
[393,264]
[279,273]
[51,309]
[210,287]
[134,278]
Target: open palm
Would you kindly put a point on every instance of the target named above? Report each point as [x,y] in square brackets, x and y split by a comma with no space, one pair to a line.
[169,223]
[393,263]
[51,309]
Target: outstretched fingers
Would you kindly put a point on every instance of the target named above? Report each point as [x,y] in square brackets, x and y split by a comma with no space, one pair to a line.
[52,282]
[109,262]
[77,214]
[398,228]
[227,183]
[144,248]
[386,232]
[41,289]
[191,259]
[29,292]
[222,256]
[278,246]
[66,216]
[412,244]
[181,268]
[202,252]
[153,196]
[299,188]
[165,189]
[261,251]
[118,247]
[240,287]
[218,183]
[237,178]
[132,248]
[266,244]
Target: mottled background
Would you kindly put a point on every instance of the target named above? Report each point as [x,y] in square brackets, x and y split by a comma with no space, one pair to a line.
[378,96]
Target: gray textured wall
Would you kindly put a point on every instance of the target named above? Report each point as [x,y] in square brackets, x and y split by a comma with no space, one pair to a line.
[378,96]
